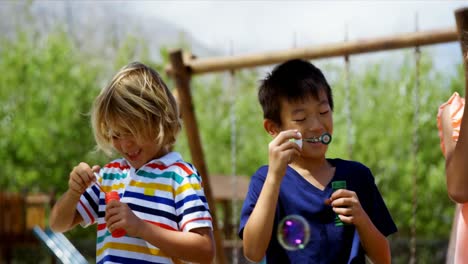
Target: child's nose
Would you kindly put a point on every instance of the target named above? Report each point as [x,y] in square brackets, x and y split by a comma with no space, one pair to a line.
[315,124]
[125,142]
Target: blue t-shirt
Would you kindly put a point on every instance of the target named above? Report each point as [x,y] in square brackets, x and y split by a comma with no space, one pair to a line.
[328,243]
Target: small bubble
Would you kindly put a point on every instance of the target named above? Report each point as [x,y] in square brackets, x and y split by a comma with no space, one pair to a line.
[293,232]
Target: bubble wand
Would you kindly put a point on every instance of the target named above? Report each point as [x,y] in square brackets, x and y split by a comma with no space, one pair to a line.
[98,184]
[325,138]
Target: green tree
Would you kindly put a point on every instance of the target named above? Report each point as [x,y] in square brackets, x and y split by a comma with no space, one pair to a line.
[46,90]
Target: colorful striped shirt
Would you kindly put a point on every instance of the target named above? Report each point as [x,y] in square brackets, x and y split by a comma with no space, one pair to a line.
[166,192]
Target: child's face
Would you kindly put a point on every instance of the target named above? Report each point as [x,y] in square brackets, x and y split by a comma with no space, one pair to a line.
[312,118]
[136,152]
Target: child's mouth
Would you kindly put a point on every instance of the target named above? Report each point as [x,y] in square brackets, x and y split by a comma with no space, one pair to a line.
[133,155]
[325,139]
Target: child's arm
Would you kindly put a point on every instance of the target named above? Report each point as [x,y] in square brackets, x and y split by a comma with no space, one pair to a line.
[346,204]
[258,229]
[456,158]
[455,165]
[194,246]
[64,215]
[197,245]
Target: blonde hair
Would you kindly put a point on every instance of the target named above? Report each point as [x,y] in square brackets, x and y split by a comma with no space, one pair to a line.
[135,102]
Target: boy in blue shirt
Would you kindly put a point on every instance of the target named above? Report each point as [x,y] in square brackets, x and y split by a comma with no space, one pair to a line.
[297,104]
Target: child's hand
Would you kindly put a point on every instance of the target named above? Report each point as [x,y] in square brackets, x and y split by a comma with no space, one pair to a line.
[119,215]
[346,204]
[282,151]
[81,177]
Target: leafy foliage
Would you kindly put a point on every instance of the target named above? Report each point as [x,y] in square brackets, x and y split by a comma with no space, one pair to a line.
[385,134]
[46,90]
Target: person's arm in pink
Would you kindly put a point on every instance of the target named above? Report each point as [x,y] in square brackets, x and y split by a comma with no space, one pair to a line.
[456,162]
[456,166]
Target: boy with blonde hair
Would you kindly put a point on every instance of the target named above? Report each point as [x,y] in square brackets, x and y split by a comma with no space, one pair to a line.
[162,207]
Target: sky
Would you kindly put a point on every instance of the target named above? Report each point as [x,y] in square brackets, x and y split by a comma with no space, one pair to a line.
[244,27]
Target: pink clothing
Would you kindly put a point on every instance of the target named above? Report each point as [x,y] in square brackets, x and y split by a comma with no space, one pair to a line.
[457,105]
[461,244]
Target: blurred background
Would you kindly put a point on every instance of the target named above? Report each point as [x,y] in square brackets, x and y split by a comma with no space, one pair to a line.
[55,56]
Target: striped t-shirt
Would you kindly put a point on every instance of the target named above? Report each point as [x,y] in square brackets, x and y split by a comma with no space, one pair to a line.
[166,192]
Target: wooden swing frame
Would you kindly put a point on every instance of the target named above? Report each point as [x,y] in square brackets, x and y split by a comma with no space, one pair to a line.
[182,68]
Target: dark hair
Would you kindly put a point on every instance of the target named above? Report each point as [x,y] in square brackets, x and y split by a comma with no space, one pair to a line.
[293,80]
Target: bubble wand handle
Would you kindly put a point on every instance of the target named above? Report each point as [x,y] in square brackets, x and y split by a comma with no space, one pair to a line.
[110,196]
[336,185]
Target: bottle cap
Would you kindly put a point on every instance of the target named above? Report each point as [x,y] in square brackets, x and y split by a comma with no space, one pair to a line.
[339,185]
[112,196]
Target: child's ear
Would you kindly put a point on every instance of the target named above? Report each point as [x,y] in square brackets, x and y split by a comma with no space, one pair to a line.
[271,127]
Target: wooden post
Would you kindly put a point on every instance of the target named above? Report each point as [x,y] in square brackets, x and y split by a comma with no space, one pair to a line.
[182,77]
[461,17]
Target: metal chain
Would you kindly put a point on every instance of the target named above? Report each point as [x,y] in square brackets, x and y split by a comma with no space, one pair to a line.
[235,253]
[347,103]
[414,149]
[347,109]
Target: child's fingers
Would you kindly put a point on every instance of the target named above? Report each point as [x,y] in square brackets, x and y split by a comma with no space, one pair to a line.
[75,186]
[345,211]
[84,172]
[112,222]
[287,135]
[341,193]
[77,183]
[112,209]
[295,153]
[95,169]
[343,202]
[285,152]
[346,219]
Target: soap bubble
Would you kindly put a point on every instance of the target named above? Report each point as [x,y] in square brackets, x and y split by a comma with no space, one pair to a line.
[293,232]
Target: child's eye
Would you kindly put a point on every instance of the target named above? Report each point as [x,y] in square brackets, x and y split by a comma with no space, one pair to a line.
[116,136]
[299,120]
[324,113]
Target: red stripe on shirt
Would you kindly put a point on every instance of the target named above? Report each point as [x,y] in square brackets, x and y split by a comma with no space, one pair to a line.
[87,212]
[178,164]
[117,165]
[101,226]
[196,219]
[162,225]
[185,168]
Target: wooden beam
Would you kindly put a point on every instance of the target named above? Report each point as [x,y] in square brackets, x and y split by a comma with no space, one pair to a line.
[182,79]
[461,18]
[422,38]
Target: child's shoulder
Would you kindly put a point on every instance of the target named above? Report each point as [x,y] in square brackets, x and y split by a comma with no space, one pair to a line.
[347,164]
[261,171]
[172,162]
[352,170]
